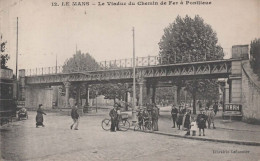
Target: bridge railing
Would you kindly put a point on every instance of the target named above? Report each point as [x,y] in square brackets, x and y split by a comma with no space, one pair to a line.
[105,65]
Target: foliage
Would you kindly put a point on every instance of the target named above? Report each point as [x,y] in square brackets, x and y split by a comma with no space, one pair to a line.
[255,56]
[114,91]
[191,40]
[4,57]
[80,62]
[164,93]
[205,88]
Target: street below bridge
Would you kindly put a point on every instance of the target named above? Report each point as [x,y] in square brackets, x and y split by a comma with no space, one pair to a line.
[21,140]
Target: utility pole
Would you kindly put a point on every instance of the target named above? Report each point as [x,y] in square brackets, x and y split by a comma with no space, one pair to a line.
[16,74]
[134,94]
[16,51]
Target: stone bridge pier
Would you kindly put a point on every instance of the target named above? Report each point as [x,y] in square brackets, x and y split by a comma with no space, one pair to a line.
[233,89]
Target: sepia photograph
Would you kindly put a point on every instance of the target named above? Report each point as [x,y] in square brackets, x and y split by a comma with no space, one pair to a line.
[124,80]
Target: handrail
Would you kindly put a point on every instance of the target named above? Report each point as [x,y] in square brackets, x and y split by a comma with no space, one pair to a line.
[149,61]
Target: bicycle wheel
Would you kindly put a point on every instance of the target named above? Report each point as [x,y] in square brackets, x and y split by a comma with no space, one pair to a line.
[148,126]
[137,127]
[124,125]
[106,124]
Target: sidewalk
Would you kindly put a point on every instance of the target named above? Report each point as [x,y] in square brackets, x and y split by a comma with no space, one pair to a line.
[233,131]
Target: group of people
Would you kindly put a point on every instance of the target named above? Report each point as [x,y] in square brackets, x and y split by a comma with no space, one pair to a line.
[149,113]
[182,116]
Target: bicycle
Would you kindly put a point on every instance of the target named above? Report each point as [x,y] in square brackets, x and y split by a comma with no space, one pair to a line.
[144,125]
[123,123]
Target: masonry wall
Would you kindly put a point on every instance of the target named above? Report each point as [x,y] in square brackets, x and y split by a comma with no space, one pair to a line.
[250,93]
[38,95]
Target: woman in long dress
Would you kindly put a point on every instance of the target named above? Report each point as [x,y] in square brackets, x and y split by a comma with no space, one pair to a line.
[39,116]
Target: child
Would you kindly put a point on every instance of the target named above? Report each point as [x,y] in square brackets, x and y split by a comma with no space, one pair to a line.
[193,127]
[201,121]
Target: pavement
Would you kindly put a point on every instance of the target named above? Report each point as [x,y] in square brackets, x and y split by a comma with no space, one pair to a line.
[21,140]
[227,131]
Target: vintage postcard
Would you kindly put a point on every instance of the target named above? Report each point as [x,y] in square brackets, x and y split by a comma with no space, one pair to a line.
[130,80]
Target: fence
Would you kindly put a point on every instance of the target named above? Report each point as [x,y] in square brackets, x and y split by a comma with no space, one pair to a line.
[112,64]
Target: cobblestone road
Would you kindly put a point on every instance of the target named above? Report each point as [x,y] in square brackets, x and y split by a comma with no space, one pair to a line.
[22,141]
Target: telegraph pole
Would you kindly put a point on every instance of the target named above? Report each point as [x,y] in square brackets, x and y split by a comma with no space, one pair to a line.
[134,94]
[16,74]
[16,51]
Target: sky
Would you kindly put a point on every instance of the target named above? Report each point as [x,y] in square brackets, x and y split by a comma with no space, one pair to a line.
[105,32]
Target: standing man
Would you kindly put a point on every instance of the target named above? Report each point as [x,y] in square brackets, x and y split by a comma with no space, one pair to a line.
[75,117]
[187,121]
[215,108]
[155,117]
[174,113]
[114,117]
[118,111]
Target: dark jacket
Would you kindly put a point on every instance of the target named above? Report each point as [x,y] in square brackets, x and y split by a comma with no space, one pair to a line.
[39,116]
[201,121]
[113,114]
[174,112]
[187,120]
[215,108]
[74,113]
[155,113]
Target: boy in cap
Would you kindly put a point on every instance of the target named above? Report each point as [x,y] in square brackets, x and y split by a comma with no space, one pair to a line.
[201,121]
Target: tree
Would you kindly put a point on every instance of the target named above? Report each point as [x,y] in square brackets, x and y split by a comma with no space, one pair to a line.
[80,62]
[114,91]
[255,56]
[4,57]
[190,40]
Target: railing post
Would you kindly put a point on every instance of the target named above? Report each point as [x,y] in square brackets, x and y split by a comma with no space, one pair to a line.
[148,60]
[125,63]
[136,64]
[175,57]
[142,61]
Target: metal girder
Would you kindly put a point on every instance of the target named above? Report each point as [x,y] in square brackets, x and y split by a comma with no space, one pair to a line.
[170,70]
